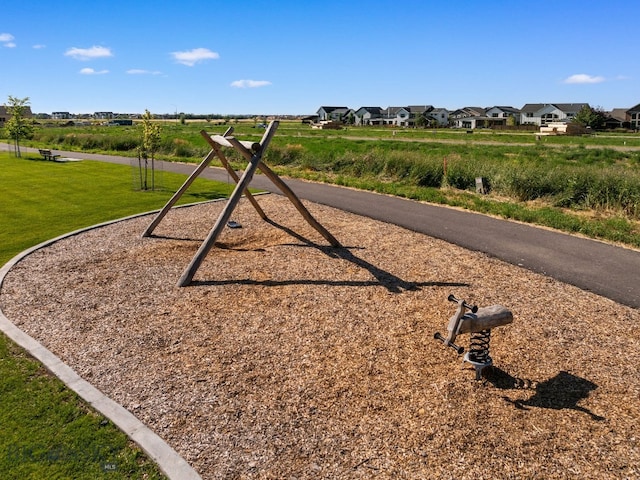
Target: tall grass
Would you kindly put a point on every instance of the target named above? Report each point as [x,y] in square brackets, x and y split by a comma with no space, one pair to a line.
[576,178]
[521,169]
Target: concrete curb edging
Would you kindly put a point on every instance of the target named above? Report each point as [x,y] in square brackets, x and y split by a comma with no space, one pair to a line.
[167,459]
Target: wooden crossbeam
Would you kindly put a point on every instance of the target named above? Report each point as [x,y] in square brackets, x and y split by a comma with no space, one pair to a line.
[232,173]
[224,141]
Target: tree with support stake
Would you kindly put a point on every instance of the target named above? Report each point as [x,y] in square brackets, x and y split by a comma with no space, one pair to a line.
[252,152]
[147,152]
[17,126]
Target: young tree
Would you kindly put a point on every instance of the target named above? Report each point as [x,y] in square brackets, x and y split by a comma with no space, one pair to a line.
[17,126]
[148,149]
[590,117]
[422,121]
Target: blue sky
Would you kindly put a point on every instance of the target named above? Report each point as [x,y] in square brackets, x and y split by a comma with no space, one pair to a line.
[292,56]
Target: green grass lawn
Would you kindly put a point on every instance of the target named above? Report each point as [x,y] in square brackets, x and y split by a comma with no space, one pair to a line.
[46,431]
[41,200]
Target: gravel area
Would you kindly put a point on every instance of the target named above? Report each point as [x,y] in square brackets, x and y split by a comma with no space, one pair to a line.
[288,359]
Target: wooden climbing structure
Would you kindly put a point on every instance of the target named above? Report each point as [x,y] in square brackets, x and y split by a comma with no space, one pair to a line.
[253,153]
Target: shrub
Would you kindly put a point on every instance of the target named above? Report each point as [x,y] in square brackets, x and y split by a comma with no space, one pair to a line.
[181,148]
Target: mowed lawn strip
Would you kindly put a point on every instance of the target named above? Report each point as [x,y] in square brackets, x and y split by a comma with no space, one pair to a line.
[41,200]
[46,431]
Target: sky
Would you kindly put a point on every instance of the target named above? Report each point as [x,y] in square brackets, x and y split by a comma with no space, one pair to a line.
[290,57]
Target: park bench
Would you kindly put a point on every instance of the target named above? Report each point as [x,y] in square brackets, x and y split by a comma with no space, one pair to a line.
[48,154]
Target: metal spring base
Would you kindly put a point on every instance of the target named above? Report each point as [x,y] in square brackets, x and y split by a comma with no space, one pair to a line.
[478,354]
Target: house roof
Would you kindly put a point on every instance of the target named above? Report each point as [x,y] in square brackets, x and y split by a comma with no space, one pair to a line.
[373,110]
[333,109]
[26,113]
[571,107]
[565,107]
[419,108]
[634,109]
[476,111]
[533,107]
[469,112]
[394,110]
[610,120]
[505,108]
[619,114]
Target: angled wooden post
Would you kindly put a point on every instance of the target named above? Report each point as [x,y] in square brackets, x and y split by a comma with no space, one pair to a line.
[176,196]
[271,175]
[278,182]
[187,275]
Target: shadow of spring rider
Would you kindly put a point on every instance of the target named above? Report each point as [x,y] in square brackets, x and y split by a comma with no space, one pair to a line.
[478,322]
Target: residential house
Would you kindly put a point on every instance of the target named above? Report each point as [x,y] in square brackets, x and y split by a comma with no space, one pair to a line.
[4,114]
[544,113]
[338,114]
[477,117]
[368,116]
[468,117]
[417,111]
[399,116]
[617,118]
[432,114]
[503,112]
[633,116]
[440,115]
[103,115]
[60,115]
[467,112]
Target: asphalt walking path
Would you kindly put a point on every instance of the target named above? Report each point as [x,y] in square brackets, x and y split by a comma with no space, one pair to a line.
[602,268]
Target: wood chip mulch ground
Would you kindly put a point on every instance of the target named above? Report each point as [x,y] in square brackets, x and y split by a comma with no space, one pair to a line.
[288,359]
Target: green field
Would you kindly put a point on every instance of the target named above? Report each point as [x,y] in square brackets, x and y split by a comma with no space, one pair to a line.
[588,185]
[46,431]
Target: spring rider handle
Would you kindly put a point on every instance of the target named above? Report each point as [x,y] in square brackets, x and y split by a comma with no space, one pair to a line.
[454,323]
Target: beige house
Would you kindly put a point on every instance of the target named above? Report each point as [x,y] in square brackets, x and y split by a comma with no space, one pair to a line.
[4,114]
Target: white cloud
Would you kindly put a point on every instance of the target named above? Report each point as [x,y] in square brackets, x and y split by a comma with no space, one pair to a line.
[584,78]
[91,71]
[139,71]
[88,53]
[197,55]
[250,83]
[7,40]
[38,47]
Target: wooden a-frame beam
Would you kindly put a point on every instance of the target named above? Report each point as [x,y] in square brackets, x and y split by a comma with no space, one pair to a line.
[215,151]
[251,151]
[242,184]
